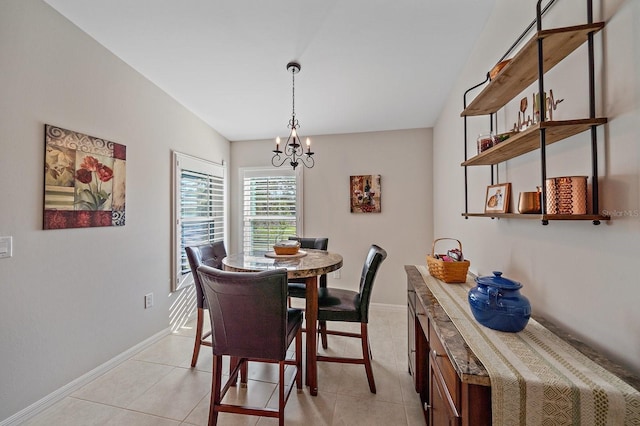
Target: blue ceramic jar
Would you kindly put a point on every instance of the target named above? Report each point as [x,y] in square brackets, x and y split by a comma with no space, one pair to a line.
[496,303]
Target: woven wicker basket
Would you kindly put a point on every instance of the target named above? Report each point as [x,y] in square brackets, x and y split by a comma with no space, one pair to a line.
[449,272]
[286,247]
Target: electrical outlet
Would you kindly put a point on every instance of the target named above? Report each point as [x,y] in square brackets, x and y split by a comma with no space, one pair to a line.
[148,300]
[336,274]
[6,244]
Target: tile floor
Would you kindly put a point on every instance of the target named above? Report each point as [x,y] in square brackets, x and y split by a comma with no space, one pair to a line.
[157,386]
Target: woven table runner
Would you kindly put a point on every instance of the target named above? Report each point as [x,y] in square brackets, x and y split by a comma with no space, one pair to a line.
[536,377]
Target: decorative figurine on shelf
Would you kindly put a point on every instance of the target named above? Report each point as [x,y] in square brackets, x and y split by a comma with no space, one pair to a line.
[536,106]
[551,105]
[523,121]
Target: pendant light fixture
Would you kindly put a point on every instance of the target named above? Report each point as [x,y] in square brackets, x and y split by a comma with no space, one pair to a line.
[293,151]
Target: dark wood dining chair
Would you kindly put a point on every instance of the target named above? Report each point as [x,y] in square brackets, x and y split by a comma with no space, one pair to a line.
[251,322]
[210,255]
[297,287]
[352,306]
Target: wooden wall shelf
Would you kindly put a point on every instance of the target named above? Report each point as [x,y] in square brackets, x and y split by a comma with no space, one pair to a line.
[529,140]
[538,55]
[543,217]
[518,74]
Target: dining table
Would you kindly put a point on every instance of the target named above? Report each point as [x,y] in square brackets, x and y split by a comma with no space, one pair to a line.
[307,264]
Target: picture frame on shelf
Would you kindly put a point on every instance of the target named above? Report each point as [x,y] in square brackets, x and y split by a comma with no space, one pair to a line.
[498,198]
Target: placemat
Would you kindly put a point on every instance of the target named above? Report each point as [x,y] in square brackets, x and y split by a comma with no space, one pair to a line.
[272,254]
[536,377]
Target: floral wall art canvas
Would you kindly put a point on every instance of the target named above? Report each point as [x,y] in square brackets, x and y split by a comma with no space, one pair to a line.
[84,180]
[365,194]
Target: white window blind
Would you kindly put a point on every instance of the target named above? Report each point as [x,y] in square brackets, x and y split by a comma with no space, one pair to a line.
[200,209]
[271,207]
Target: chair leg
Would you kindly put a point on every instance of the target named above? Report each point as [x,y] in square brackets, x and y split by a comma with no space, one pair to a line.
[233,362]
[366,354]
[196,346]
[323,333]
[244,373]
[299,358]
[281,397]
[216,384]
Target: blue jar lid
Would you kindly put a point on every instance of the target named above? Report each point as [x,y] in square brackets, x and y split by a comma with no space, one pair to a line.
[497,280]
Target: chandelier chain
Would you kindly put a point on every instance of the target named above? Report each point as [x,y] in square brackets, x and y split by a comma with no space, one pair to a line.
[293,93]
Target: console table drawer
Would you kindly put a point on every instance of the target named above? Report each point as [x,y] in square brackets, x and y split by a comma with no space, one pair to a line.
[441,361]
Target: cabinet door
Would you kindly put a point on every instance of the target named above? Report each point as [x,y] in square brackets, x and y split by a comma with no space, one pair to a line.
[441,410]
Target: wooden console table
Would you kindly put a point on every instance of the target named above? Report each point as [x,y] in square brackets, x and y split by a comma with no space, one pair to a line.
[454,385]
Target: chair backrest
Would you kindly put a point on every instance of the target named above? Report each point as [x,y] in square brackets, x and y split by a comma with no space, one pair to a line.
[374,258]
[313,243]
[207,254]
[248,312]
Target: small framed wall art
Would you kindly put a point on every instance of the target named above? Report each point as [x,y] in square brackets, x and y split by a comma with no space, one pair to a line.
[497,199]
[365,194]
[84,180]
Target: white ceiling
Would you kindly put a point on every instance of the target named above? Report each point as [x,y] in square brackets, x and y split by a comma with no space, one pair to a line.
[367,65]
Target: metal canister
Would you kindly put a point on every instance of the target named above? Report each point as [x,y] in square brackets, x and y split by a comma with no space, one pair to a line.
[566,195]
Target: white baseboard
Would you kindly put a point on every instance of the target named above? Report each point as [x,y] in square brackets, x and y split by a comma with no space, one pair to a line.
[69,388]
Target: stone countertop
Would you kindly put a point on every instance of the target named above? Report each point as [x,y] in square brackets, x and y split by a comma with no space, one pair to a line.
[467,365]
[313,263]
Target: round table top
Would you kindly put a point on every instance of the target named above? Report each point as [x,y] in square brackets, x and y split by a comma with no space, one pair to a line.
[316,262]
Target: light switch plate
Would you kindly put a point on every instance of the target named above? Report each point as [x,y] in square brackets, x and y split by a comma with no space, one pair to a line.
[6,247]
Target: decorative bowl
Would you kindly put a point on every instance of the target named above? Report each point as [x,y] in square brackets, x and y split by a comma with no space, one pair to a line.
[497,68]
[286,247]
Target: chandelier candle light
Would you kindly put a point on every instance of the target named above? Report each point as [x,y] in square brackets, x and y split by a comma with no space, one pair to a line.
[293,150]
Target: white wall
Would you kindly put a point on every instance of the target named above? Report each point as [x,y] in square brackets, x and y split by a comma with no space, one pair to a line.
[71,300]
[581,276]
[403,228]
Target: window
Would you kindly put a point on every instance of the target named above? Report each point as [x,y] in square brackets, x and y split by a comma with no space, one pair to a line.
[199,210]
[271,206]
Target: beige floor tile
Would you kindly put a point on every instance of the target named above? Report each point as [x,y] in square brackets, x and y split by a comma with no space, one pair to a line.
[205,360]
[330,376]
[74,412]
[124,383]
[175,395]
[415,415]
[255,394]
[189,328]
[171,350]
[353,382]
[200,416]
[133,418]
[304,409]
[354,411]
[263,372]
[409,394]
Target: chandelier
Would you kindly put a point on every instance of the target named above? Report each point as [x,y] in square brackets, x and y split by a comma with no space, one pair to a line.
[293,151]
